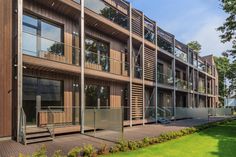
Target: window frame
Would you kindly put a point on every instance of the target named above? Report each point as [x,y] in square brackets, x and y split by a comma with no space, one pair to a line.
[38,28]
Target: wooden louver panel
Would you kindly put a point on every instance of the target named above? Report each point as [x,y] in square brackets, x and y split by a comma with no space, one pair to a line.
[137,23]
[149,64]
[137,101]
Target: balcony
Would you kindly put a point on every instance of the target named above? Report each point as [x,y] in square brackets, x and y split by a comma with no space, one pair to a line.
[190,85]
[138,72]
[201,65]
[181,84]
[165,79]
[165,45]
[181,55]
[149,30]
[104,9]
[104,63]
[37,46]
[209,70]
[202,89]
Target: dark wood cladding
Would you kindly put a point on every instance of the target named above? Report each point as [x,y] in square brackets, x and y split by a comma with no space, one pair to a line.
[137,23]
[5,68]
[149,64]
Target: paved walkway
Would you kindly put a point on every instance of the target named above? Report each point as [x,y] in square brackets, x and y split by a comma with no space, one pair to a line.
[67,142]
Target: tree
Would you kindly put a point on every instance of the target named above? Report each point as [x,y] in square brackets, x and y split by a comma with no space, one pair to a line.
[223,68]
[232,76]
[228,29]
[195,45]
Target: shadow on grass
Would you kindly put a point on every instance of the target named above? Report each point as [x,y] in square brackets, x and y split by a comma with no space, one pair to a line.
[226,136]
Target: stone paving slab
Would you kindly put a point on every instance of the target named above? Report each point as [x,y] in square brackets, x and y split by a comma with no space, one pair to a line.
[65,143]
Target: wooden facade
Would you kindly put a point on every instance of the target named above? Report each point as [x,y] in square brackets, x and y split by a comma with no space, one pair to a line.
[131,59]
[6,68]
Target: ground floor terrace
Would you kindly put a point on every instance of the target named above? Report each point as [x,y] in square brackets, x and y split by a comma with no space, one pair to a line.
[52,104]
[65,143]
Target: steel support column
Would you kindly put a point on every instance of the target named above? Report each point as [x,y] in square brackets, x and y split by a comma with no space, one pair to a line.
[174,79]
[19,64]
[130,63]
[143,77]
[156,105]
[82,66]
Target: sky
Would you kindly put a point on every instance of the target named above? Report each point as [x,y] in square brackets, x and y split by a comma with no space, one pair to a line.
[188,20]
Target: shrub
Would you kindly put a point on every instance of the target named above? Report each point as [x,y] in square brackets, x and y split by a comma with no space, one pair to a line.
[42,152]
[133,145]
[89,151]
[123,145]
[75,152]
[103,150]
[146,141]
[58,153]
[22,155]
[114,149]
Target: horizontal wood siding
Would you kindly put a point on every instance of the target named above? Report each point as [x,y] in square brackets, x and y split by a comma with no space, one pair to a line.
[149,64]
[137,101]
[5,68]
[137,23]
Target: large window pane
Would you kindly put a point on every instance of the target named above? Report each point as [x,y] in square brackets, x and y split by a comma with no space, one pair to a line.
[30,21]
[91,93]
[40,36]
[97,96]
[51,93]
[29,44]
[97,52]
[29,99]
[50,31]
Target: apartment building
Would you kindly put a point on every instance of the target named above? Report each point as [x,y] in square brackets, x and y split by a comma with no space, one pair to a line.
[59,57]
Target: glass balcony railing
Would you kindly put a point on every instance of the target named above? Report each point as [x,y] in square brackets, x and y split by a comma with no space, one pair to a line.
[138,72]
[181,55]
[201,66]
[102,8]
[165,79]
[165,45]
[104,63]
[195,62]
[181,84]
[190,85]
[77,1]
[37,46]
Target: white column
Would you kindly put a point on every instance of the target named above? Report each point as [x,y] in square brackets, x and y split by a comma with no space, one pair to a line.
[19,65]
[82,67]
[130,63]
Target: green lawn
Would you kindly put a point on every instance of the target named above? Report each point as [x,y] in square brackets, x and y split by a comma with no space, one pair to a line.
[219,141]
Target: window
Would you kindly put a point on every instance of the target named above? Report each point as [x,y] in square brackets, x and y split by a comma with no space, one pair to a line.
[50,91]
[107,11]
[41,36]
[97,52]
[97,96]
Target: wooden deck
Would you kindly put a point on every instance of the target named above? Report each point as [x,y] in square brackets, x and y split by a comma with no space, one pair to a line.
[65,143]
